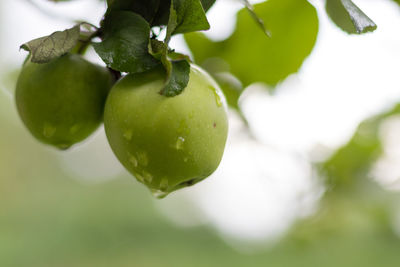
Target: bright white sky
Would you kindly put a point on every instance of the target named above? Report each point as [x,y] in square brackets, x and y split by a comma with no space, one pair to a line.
[263,184]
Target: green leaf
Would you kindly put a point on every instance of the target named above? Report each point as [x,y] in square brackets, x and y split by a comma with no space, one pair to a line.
[191,9]
[157,48]
[251,55]
[256,18]
[146,8]
[156,12]
[346,15]
[162,15]
[190,16]
[46,48]
[178,77]
[172,23]
[176,65]
[184,16]
[207,4]
[174,56]
[125,43]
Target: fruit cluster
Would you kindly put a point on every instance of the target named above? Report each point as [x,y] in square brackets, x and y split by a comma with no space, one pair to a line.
[166,142]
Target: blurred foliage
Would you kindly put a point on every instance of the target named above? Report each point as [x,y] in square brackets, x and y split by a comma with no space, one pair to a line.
[356,221]
[350,164]
[352,230]
[253,57]
[397,1]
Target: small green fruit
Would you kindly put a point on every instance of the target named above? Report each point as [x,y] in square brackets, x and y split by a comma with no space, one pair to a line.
[62,102]
[167,142]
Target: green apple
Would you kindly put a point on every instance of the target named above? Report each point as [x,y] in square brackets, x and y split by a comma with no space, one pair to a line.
[167,142]
[62,102]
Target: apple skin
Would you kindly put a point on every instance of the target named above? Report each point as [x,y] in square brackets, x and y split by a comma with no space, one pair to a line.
[62,102]
[167,142]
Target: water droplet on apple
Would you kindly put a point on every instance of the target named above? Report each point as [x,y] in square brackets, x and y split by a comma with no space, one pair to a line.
[128,135]
[63,146]
[139,177]
[217,96]
[147,177]
[74,129]
[179,143]
[159,193]
[142,158]
[164,184]
[49,130]
[132,160]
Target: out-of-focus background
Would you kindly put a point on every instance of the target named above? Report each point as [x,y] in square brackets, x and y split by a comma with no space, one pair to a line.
[312,180]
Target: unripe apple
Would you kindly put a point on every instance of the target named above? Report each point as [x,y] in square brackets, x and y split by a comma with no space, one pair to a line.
[167,142]
[61,102]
